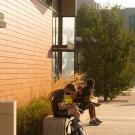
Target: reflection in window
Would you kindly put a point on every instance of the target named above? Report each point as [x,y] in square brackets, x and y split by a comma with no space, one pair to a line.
[67,64]
[55,63]
[55,30]
[132,22]
[68,30]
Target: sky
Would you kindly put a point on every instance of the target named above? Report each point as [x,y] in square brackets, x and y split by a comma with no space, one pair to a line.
[123,3]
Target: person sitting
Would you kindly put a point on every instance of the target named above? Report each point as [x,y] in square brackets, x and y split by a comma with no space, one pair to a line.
[62,104]
[83,98]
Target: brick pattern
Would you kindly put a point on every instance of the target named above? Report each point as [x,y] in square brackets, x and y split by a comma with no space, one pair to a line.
[25,63]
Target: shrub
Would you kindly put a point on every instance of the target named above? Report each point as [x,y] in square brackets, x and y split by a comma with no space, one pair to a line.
[30,117]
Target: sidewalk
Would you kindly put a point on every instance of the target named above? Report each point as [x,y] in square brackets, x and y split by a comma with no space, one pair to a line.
[118,117]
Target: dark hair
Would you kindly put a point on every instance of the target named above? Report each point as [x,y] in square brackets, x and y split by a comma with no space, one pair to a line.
[71,87]
[90,83]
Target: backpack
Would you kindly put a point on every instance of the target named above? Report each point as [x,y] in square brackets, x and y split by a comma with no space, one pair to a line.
[75,129]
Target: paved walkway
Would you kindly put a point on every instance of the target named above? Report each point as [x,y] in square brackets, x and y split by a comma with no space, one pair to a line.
[118,117]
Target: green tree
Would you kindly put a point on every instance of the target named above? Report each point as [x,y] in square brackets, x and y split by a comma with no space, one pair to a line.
[107,49]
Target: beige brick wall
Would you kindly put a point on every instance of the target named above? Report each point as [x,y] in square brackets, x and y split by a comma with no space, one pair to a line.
[24,48]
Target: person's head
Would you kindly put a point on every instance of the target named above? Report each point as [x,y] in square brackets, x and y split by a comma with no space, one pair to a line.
[70,89]
[90,83]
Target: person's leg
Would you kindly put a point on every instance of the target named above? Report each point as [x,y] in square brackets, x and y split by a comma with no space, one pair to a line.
[92,114]
[91,110]
[90,107]
[62,113]
[74,112]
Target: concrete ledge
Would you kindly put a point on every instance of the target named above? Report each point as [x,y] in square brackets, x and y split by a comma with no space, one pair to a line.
[54,125]
[7,117]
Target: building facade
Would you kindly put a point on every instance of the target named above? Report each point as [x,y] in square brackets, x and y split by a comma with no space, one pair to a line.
[28,29]
[24,47]
[88,3]
[130,17]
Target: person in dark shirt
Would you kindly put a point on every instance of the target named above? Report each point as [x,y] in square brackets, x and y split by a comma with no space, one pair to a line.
[62,105]
[83,98]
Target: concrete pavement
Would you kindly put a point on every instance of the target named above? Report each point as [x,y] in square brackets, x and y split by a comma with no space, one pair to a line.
[118,117]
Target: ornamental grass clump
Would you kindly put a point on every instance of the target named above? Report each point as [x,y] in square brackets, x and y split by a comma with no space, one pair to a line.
[30,117]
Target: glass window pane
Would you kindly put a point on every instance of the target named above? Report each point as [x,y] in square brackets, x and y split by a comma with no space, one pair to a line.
[55,30]
[132,22]
[68,30]
[67,64]
[54,63]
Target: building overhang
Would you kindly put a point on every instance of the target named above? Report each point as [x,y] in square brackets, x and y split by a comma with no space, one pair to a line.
[65,8]
[68,8]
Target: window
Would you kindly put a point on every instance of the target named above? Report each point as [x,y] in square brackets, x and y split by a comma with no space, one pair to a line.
[132,22]
[55,29]
[68,33]
[55,64]
[67,63]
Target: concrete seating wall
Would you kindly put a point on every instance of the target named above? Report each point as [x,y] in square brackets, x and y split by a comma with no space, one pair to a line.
[7,117]
[54,126]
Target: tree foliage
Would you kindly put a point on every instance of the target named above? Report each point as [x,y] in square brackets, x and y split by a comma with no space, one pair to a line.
[107,49]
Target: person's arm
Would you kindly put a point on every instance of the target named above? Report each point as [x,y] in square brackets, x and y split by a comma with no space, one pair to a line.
[79,97]
[86,99]
[60,101]
[86,94]
[62,106]
[92,93]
